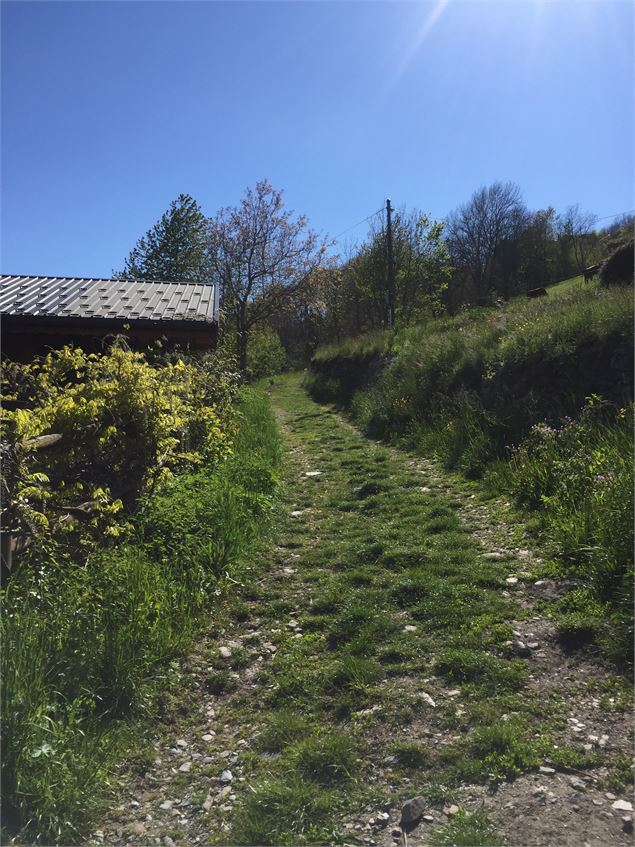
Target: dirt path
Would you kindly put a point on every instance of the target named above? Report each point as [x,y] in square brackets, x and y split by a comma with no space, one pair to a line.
[394,644]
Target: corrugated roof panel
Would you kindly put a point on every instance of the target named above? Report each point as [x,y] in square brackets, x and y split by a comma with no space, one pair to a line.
[73,297]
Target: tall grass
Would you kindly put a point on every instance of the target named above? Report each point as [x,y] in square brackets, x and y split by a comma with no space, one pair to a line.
[82,642]
[580,477]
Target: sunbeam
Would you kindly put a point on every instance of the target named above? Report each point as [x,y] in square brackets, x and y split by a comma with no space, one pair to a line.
[430,20]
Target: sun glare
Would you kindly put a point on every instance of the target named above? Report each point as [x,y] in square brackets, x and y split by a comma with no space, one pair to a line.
[434,11]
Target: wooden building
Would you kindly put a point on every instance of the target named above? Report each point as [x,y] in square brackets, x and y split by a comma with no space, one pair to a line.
[39,313]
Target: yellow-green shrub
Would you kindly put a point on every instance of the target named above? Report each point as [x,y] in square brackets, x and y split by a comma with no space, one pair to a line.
[125,424]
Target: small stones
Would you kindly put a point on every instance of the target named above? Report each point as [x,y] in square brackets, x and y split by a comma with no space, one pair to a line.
[412,810]
[186,767]
[627,824]
[450,811]
[182,743]
[381,819]
[297,513]
[226,776]
[167,841]
[577,783]
[521,649]
[512,580]
[427,818]
[622,806]
[207,803]
[493,557]
[136,828]
[167,805]
[454,693]
[225,653]
[209,736]
[546,770]
[313,473]
[409,628]
[426,697]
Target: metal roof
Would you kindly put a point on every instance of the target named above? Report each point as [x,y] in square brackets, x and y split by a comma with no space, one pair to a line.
[72,297]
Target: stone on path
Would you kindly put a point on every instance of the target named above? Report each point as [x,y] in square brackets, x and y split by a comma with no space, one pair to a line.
[622,806]
[412,810]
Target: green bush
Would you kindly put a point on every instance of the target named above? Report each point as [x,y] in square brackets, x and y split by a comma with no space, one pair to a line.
[124,426]
[265,353]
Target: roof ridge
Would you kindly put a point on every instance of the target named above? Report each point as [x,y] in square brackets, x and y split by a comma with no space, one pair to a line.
[109,279]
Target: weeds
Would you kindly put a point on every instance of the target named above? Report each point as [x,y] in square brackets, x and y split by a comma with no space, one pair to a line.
[326,758]
[466,830]
[285,812]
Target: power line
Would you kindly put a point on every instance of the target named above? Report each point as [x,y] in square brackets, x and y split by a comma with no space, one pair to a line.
[358,223]
[616,215]
[381,209]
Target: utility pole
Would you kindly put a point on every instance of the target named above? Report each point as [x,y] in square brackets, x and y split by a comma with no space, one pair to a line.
[391,267]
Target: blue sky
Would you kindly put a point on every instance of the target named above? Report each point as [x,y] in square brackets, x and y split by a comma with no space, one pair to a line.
[111,109]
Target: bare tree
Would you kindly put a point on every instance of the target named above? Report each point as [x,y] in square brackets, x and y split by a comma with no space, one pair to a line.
[574,229]
[261,256]
[477,230]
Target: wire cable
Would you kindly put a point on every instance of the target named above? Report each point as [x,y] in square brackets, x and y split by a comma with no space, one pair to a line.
[616,215]
[359,223]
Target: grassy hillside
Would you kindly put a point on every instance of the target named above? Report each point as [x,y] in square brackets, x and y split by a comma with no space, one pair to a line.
[536,396]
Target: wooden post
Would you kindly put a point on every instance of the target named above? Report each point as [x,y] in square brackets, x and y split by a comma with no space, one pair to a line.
[391,267]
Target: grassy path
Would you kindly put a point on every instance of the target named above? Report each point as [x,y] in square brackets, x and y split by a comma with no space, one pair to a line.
[396,643]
